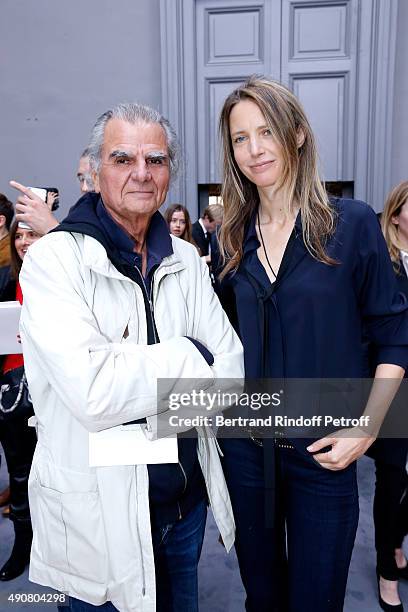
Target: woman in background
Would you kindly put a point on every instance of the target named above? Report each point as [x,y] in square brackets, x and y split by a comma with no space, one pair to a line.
[390,454]
[178,220]
[18,440]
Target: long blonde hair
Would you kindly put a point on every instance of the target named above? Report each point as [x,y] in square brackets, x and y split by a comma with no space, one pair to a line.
[395,201]
[286,118]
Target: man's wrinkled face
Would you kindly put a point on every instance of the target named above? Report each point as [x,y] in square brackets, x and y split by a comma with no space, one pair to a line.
[134,173]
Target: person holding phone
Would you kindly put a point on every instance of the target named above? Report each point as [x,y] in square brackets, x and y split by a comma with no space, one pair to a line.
[34,208]
[305,274]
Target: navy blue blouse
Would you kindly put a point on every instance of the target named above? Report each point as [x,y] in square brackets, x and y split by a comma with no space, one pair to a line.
[309,322]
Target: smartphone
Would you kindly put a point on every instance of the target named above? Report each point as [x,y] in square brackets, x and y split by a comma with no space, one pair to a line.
[41,193]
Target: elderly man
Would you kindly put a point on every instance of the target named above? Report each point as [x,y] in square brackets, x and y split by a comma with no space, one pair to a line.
[111,304]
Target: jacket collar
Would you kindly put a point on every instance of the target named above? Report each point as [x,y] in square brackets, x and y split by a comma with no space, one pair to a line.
[95,258]
[158,239]
[100,238]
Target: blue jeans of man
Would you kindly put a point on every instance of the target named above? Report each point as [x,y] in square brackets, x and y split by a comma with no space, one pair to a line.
[177,548]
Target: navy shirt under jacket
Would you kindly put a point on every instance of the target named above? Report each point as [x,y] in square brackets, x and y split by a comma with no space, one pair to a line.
[309,322]
[158,242]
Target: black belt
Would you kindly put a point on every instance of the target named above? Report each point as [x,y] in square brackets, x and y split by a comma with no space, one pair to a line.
[280,441]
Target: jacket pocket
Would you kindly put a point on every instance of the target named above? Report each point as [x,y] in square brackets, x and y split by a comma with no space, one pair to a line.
[70,533]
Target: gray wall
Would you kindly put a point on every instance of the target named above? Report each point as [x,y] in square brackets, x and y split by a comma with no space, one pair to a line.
[61,65]
[399,168]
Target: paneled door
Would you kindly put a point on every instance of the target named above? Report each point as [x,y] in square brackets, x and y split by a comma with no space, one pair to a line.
[336,55]
[319,64]
[235,38]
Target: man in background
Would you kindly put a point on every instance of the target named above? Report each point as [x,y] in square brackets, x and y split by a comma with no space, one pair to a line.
[84,176]
[205,226]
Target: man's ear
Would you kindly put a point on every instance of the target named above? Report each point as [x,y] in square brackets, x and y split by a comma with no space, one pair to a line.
[300,137]
[95,179]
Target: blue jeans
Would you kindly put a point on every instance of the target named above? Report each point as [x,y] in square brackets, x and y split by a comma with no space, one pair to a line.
[317,514]
[177,549]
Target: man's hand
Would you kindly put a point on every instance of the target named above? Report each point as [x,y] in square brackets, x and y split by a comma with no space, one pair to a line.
[347,446]
[33,211]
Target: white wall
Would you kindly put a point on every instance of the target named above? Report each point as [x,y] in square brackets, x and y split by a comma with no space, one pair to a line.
[61,65]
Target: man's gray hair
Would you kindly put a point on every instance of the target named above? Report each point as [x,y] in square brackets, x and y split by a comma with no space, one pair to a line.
[133,113]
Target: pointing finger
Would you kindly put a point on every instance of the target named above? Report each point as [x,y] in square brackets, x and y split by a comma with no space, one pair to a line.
[21,188]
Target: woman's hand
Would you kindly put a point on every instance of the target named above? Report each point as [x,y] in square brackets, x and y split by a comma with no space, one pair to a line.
[347,446]
[33,211]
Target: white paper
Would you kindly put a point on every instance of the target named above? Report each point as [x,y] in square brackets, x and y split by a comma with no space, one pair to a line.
[127,445]
[9,321]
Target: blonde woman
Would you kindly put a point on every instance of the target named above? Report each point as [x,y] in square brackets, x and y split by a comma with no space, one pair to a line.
[394,223]
[304,274]
[391,487]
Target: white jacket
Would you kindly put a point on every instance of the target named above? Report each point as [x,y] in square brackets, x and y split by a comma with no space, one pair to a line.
[92,536]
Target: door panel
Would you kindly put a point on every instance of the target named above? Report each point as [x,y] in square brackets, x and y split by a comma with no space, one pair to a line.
[323,99]
[244,44]
[235,39]
[319,51]
[329,39]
